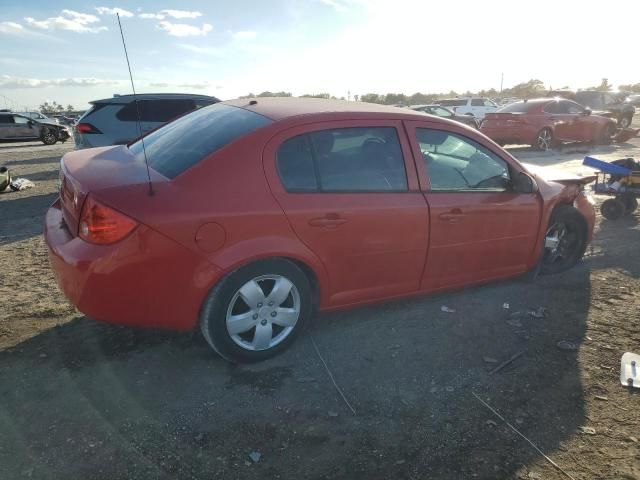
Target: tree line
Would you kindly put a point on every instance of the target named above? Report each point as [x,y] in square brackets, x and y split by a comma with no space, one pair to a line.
[530,89]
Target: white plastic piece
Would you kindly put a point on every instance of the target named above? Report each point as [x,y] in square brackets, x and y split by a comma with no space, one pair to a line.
[630,370]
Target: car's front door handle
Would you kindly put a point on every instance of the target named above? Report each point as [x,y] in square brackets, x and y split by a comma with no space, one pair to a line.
[329,220]
[453,216]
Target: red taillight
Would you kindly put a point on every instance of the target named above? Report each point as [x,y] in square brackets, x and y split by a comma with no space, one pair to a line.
[86,128]
[103,225]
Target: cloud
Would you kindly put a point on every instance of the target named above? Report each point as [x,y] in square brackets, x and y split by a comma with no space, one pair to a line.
[112,11]
[184,30]
[68,20]
[201,50]
[7,81]
[159,85]
[196,86]
[162,14]
[12,28]
[337,5]
[245,35]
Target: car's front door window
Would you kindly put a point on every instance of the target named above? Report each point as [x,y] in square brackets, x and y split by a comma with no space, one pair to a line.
[457,163]
[20,120]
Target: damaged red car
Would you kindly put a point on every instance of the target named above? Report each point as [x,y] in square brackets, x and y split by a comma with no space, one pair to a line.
[545,123]
[255,214]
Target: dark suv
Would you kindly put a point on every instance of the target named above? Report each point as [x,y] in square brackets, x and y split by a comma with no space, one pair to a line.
[113,121]
[605,104]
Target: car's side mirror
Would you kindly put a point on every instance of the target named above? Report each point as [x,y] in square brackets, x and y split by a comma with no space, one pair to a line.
[31,123]
[587,111]
[524,183]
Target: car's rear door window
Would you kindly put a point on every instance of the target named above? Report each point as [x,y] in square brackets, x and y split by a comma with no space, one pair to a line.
[160,111]
[6,119]
[457,163]
[177,146]
[366,159]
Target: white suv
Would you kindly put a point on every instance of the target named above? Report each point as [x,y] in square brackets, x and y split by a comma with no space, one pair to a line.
[473,106]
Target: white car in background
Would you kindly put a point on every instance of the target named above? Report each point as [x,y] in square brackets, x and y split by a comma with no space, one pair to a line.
[477,107]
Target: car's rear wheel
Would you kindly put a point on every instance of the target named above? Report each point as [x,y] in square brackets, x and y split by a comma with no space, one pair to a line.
[544,140]
[565,241]
[612,209]
[48,136]
[625,122]
[257,311]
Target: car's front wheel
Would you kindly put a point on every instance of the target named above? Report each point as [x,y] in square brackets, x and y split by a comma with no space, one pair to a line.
[257,311]
[48,136]
[625,122]
[565,241]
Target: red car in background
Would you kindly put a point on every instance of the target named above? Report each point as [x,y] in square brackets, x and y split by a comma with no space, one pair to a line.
[546,122]
[257,213]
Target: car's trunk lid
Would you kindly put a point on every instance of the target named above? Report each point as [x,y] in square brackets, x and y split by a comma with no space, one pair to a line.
[94,170]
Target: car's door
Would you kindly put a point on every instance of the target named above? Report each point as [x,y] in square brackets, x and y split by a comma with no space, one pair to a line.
[557,115]
[7,126]
[581,126]
[24,127]
[350,192]
[480,229]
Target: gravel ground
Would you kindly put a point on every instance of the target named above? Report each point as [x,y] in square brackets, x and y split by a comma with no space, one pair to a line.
[80,399]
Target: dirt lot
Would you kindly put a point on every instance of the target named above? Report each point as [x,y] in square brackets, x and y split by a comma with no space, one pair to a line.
[79,399]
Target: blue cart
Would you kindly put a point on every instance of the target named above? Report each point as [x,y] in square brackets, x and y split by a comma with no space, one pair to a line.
[619,180]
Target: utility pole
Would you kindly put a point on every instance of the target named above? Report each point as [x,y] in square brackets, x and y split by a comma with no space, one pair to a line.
[349,95]
[501,81]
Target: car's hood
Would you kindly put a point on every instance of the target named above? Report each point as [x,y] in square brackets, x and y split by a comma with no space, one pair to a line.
[48,122]
[549,174]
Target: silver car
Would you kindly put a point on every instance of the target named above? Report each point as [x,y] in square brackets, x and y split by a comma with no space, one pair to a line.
[14,126]
[113,121]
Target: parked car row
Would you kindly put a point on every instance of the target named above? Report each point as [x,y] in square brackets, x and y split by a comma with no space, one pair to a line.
[243,218]
[606,104]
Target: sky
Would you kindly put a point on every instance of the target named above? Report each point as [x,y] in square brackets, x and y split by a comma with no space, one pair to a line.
[71,52]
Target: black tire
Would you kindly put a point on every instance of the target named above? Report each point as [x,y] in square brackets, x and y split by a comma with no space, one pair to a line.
[625,122]
[630,203]
[213,316]
[48,136]
[572,244]
[544,140]
[612,209]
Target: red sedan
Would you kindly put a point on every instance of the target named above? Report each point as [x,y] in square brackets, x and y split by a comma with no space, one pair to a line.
[254,214]
[545,122]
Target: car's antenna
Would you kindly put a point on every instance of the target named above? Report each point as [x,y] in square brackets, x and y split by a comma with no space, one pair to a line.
[135,100]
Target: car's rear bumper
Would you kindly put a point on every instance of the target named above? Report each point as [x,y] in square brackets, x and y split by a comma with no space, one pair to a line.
[145,280]
[586,206]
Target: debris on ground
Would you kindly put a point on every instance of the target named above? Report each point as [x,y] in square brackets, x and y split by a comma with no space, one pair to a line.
[491,423]
[601,397]
[539,312]
[629,370]
[489,360]
[255,456]
[588,430]
[507,362]
[18,184]
[567,345]
[331,413]
[505,306]
[446,309]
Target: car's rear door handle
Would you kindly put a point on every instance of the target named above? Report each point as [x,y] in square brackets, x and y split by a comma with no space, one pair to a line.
[453,216]
[329,220]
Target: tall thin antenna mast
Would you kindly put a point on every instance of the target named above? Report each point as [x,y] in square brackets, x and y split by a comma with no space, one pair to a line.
[135,99]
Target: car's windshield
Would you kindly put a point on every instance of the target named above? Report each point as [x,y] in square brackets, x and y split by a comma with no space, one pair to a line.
[181,144]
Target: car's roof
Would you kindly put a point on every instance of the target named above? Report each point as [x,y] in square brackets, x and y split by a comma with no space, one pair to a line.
[279,108]
[121,99]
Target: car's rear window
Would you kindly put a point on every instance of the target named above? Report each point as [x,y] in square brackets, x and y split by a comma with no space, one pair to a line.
[179,145]
[518,107]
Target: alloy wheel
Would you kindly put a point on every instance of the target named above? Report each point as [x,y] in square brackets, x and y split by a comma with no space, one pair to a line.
[263,312]
[560,244]
[545,140]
